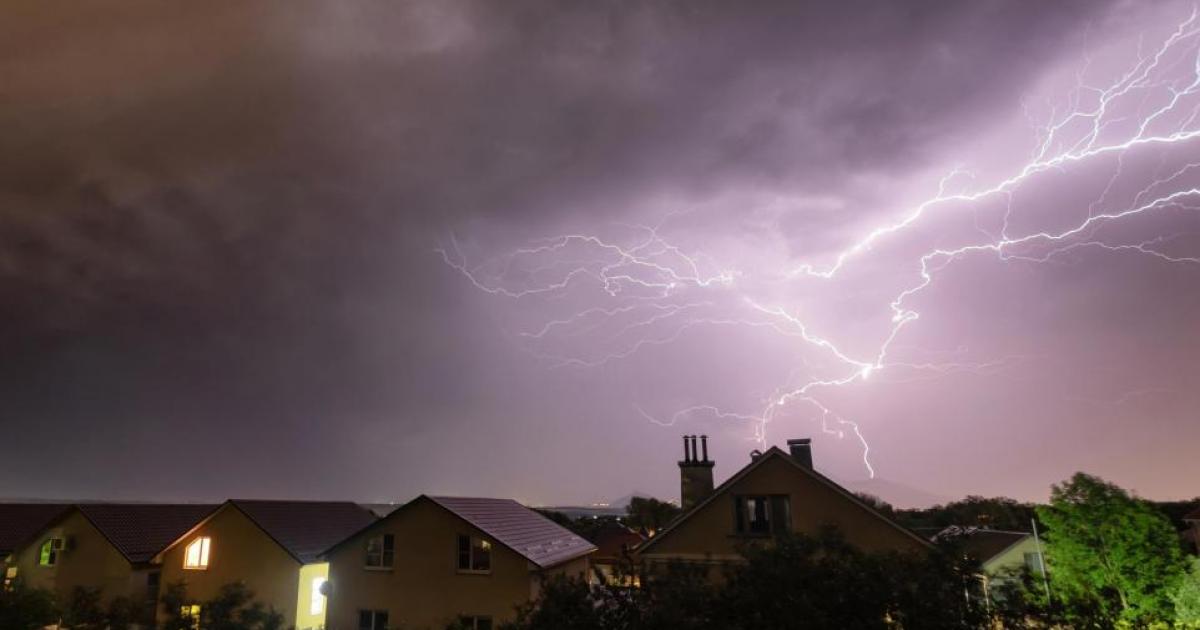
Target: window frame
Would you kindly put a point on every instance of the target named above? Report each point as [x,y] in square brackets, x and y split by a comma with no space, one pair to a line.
[50,550]
[375,616]
[776,512]
[204,556]
[386,553]
[470,557]
[471,622]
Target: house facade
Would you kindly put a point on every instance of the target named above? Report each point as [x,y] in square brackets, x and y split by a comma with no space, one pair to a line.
[777,491]
[436,560]
[109,547]
[269,546]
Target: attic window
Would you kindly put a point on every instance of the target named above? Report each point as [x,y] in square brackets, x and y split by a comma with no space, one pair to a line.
[195,556]
[474,554]
[762,515]
[50,551]
[381,551]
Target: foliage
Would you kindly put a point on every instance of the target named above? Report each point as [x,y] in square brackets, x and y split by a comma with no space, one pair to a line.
[25,608]
[797,581]
[233,608]
[996,513]
[84,610]
[650,513]
[1110,553]
[1186,597]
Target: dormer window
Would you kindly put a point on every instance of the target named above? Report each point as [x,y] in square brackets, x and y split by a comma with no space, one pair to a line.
[50,551]
[381,551]
[195,555]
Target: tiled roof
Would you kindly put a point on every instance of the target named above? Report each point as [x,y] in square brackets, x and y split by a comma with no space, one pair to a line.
[306,528]
[20,522]
[141,530]
[537,538]
[982,544]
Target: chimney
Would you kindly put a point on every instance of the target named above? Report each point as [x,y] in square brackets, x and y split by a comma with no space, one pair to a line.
[695,472]
[801,451]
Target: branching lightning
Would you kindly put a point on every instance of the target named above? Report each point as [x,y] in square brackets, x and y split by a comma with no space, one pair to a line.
[647,291]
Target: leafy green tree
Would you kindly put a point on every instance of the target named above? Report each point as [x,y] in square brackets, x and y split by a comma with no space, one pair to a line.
[233,608]
[1110,551]
[25,608]
[650,513]
[1186,597]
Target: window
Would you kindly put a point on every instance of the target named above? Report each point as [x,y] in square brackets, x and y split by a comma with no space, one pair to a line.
[762,515]
[381,551]
[372,620]
[470,622]
[316,604]
[195,556]
[10,574]
[191,612]
[152,580]
[474,554]
[50,552]
[1033,561]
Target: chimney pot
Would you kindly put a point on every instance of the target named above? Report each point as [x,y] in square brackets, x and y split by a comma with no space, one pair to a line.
[704,445]
[695,474]
[801,450]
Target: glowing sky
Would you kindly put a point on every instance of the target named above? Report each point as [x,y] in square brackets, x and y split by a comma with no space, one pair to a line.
[518,249]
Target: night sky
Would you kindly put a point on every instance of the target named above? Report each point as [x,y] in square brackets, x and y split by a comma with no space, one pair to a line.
[517,249]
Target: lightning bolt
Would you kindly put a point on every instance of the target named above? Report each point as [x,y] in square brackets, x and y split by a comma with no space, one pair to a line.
[653,292]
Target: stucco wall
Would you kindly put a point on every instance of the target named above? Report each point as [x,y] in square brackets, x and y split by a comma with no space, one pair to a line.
[88,560]
[240,551]
[709,534]
[424,589]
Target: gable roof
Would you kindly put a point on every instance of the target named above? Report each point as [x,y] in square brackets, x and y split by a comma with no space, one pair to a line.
[981,543]
[773,453]
[20,522]
[306,528]
[141,530]
[535,537]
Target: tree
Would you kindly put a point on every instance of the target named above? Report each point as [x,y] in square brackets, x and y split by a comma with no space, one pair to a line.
[1110,551]
[233,608]
[650,513]
[25,608]
[996,513]
[1186,597]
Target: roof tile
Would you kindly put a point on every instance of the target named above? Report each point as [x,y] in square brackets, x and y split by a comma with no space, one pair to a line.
[537,538]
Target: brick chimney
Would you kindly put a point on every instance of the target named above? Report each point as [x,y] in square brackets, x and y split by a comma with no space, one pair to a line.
[801,451]
[695,472]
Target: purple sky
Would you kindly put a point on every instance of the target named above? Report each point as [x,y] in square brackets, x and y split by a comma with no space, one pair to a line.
[517,249]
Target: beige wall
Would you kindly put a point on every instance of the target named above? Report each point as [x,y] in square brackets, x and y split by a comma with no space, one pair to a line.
[240,551]
[87,560]
[708,535]
[424,589]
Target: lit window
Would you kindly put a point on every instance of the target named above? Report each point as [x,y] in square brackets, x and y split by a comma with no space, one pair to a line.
[191,613]
[475,622]
[762,515]
[195,556]
[10,574]
[50,552]
[317,602]
[381,551]
[474,554]
[372,620]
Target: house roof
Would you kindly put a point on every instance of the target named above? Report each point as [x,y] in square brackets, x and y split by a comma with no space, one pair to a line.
[772,453]
[981,543]
[306,528]
[141,530]
[19,522]
[614,539]
[537,538]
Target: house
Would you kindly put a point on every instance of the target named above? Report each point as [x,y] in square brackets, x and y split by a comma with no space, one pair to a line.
[1001,555]
[614,546]
[19,523]
[777,491]
[270,546]
[105,546]
[435,560]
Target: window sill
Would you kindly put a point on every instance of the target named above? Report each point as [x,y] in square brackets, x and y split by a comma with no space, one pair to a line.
[195,568]
[379,569]
[474,572]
